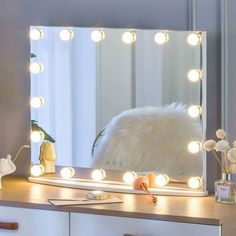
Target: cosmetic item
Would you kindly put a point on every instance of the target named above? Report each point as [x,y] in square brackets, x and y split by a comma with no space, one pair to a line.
[225,189]
[141,183]
[83,201]
[98,195]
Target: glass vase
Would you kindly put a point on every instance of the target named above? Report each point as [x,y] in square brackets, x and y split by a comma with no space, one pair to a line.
[225,189]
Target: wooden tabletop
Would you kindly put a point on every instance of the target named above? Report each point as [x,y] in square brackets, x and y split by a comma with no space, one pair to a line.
[18,192]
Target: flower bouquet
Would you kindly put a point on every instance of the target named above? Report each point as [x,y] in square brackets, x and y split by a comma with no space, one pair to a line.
[226,157]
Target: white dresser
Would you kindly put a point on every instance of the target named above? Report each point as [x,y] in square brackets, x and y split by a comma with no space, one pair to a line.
[33,222]
[96,225]
[53,223]
[25,211]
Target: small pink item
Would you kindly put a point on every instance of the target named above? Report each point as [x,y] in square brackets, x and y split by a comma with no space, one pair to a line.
[141,183]
[138,181]
[151,179]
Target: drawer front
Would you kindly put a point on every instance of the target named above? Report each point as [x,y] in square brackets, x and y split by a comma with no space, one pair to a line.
[33,222]
[95,225]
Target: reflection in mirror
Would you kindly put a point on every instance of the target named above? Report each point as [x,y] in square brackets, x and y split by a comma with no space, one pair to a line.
[142,88]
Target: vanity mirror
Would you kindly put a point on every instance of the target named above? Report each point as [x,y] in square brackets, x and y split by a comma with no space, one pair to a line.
[143,91]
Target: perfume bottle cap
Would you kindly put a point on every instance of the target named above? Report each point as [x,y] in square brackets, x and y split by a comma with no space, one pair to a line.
[227,176]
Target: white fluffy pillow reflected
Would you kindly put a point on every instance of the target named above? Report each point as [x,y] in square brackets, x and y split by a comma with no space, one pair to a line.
[151,139]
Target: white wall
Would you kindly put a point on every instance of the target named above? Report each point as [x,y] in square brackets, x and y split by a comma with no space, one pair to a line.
[228,73]
[228,67]
[115,77]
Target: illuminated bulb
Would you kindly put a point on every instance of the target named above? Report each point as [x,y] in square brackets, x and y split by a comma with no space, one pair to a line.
[67,172]
[162,180]
[36,102]
[37,170]
[36,67]
[194,39]
[98,175]
[194,75]
[195,111]
[97,35]
[161,37]
[129,177]
[37,136]
[66,34]
[194,147]
[128,37]
[195,182]
[36,34]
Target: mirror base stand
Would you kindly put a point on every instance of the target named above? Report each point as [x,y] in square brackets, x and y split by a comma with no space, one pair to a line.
[114,187]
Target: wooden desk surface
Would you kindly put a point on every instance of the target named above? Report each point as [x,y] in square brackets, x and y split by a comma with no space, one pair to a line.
[18,192]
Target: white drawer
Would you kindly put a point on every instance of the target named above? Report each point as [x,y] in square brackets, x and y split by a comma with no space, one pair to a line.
[96,225]
[35,222]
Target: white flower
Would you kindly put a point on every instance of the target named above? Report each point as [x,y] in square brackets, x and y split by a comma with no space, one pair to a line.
[209,145]
[232,168]
[234,143]
[222,146]
[232,155]
[220,133]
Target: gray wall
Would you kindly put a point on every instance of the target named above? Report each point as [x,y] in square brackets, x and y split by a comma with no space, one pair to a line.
[228,67]
[16,17]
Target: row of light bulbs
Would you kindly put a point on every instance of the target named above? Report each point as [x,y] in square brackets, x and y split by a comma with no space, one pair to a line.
[127,37]
[193,111]
[193,147]
[128,177]
[193,75]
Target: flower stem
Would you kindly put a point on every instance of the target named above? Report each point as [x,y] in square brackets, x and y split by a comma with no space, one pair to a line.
[225,160]
[217,158]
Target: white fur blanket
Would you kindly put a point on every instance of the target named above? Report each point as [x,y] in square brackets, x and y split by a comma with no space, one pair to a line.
[151,139]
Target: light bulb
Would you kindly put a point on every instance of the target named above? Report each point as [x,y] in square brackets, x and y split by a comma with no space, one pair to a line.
[97,35]
[37,102]
[66,34]
[194,39]
[98,174]
[195,111]
[36,67]
[162,180]
[129,177]
[194,147]
[128,37]
[194,75]
[37,136]
[161,37]
[67,172]
[36,34]
[37,170]
[195,182]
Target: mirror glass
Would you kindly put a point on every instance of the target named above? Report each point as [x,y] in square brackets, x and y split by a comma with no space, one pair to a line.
[148,84]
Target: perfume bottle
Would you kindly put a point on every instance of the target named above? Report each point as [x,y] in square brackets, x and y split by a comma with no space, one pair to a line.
[225,189]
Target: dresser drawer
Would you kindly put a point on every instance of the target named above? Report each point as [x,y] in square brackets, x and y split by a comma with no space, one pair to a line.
[96,225]
[33,222]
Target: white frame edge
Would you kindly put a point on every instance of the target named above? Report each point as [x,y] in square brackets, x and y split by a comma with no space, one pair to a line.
[113,187]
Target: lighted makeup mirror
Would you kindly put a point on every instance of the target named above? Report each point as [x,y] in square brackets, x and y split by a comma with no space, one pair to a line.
[83,80]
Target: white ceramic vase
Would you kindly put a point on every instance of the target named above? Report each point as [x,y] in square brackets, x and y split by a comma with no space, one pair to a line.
[6,167]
